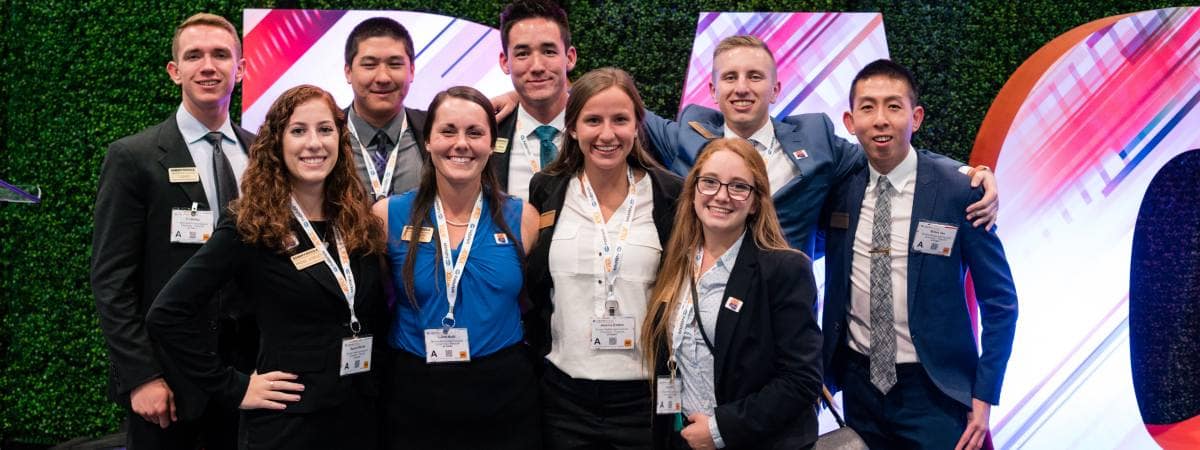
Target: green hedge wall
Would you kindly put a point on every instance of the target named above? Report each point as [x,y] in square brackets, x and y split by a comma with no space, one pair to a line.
[78,74]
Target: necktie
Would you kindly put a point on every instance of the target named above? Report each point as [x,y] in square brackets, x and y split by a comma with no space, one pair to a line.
[379,156]
[883,334]
[548,150]
[226,181]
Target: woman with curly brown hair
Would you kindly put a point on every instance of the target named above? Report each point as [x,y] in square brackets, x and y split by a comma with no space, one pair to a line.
[304,252]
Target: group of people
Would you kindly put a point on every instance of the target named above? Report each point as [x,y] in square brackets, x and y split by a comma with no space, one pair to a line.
[580,273]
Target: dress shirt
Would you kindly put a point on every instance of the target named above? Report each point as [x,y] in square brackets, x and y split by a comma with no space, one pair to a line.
[780,169]
[579,293]
[904,179]
[528,148]
[408,158]
[194,133]
[692,356]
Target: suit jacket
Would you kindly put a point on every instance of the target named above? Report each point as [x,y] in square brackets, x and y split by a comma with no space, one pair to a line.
[132,257]
[821,159]
[767,364]
[302,315]
[546,194]
[416,123]
[939,322]
[505,130]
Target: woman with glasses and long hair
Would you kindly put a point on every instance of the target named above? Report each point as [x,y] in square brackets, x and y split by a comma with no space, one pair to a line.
[305,255]
[731,330]
[608,209]
[460,376]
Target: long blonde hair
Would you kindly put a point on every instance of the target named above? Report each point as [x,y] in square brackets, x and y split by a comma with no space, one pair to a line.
[687,235]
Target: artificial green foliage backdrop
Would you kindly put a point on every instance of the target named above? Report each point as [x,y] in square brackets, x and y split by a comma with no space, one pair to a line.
[78,74]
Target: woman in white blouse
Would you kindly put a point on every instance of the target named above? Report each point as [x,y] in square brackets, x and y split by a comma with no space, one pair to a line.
[607,212]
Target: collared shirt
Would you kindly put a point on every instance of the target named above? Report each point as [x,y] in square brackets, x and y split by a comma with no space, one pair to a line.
[408,159]
[780,169]
[578,272]
[694,360]
[528,148]
[202,152]
[904,179]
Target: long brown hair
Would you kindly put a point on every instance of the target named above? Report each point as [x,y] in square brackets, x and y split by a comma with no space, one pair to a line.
[570,159]
[264,210]
[427,191]
[688,234]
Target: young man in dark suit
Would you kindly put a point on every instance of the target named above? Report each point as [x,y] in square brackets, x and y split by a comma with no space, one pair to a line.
[898,333]
[537,56]
[386,137]
[161,192]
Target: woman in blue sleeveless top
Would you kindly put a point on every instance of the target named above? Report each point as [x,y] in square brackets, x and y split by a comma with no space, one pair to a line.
[459,375]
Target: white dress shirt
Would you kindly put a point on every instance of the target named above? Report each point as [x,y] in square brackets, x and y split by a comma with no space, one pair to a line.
[780,169]
[527,149]
[904,179]
[202,152]
[578,273]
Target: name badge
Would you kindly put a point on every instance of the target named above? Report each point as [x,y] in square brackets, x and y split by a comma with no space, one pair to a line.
[356,355]
[839,220]
[501,145]
[667,396]
[934,238]
[613,333]
[426,234]
[447,346]
[307,258]
[189,226]
[546,219]
[183,175]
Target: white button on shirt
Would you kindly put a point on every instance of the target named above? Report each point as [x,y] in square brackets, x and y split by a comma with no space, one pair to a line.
[202,152]
[578,272]
[528,148]
[904,178]
[780,168]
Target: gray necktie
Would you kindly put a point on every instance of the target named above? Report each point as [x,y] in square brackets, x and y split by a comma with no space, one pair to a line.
[883,334]
[226,181]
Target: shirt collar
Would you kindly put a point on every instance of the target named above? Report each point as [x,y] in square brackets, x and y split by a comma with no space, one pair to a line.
[727,260]
[765,134]
[193,131]
[394,128]
[526,123]
[901,174]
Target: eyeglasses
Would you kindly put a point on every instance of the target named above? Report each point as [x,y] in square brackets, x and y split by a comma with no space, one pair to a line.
[710,186]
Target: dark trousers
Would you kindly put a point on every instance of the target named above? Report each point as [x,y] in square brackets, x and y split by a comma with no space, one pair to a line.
[350,426]
[587,414]
[215,430]
[490,402]
[914,414]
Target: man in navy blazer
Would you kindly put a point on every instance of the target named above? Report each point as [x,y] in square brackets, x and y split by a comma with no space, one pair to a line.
[804,157]
[898,335]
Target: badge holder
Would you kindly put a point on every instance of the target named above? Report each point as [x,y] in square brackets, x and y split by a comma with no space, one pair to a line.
[447,344]
[613,332]
[356,351]
[190,225]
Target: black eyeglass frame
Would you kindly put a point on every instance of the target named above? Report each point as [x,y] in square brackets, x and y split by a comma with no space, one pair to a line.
[729,188]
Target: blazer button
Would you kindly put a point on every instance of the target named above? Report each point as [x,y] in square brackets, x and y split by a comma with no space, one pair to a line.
[212,325]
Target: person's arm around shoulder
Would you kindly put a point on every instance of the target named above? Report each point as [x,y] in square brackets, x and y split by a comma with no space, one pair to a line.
[662,136]
[529,226]
[792,292]
[380,210]
[982,212]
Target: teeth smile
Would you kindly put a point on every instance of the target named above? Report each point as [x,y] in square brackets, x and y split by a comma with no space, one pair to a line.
[606,148]
[881,139]
[460,159]
[313,159]
[720,210]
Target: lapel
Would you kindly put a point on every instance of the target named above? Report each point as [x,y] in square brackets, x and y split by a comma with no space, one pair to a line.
[924,199]
[795,146]
[319,272]
[741,278]
[416,123]
[245,138]
[856,189]
[176,154]
[504,130]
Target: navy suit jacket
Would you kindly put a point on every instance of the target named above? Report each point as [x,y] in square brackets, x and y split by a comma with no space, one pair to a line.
[821,158]
[939,321]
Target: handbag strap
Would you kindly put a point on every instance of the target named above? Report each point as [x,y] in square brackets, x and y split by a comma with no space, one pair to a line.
[827,399]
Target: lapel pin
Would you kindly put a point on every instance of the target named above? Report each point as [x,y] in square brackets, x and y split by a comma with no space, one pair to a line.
[800,154]
[733,304]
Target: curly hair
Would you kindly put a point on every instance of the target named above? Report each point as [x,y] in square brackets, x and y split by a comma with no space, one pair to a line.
[264,215]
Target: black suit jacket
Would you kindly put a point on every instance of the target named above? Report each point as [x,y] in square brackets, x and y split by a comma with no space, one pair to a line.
[132,257]
[767,364]
[546,194]
[302,316]
[505,130]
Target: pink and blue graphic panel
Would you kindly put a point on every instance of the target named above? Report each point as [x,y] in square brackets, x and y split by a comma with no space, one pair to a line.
[1102,109]
[288,47]
[817,55]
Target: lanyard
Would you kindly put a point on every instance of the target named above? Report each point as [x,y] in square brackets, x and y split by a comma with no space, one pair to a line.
[380,187]
[345,276]
[611,255]
[454,274]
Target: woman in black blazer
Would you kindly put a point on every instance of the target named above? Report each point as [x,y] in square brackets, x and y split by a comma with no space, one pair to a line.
[732,333]
[607,209]
[303,249]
